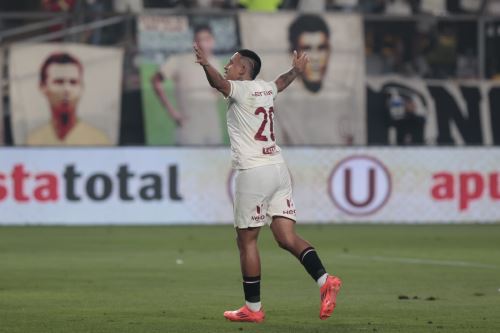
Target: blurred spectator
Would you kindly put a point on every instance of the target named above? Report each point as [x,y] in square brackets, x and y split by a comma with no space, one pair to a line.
[392,52]
[398,7]
[309,6]
[389,46]
[464,6]
[58,6]
[492,7]
[373,61]
[345,5]
[94,11]
[210,4]
[261,5]
[467,65]
[371,6]
[408,118]
[442,57]
[433,7]
[163,3]
[128,6]
[492,41]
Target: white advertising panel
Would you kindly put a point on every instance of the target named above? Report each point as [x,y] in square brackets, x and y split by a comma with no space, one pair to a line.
[194,186]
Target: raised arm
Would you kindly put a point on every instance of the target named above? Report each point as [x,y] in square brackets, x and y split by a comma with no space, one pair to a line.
[298,64]
[215,79]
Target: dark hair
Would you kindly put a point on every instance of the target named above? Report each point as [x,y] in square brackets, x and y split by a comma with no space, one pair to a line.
[202,27]
[306,23]
[58,58]
[254,58]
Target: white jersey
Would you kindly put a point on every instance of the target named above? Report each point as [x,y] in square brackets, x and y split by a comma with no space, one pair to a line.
[250,123]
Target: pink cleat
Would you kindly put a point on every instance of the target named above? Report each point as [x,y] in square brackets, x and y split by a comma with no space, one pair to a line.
[329,293]
[244,314]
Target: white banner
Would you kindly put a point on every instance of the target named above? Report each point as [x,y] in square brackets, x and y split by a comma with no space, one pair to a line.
[194,186]
[65,94]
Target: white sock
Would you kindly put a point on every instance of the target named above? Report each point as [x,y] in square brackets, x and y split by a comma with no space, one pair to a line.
[322,279]
[254,307]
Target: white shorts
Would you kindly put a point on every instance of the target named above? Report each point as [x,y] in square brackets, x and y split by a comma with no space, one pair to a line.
[262,193]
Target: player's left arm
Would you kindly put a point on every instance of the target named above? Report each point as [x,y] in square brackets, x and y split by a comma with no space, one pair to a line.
[298,65]
[215,79]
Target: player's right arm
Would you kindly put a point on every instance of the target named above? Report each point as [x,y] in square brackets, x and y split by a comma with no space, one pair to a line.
[298,65]
[215,79]
[157,82]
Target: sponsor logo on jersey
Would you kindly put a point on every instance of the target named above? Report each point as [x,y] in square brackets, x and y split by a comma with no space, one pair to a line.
[269,150]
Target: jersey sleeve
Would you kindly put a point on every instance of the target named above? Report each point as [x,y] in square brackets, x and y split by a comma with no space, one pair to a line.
[238,90]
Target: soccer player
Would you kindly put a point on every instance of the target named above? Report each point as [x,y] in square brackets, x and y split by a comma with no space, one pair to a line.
[263,187]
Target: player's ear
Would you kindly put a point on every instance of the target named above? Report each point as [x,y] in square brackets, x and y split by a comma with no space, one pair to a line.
[243,68]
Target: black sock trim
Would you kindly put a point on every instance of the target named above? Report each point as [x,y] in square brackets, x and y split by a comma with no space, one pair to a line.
[311,262]
[251,288]
[251,278]
[306,251]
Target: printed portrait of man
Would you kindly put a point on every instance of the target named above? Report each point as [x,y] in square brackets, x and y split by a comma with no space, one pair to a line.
[326,105]
[61,81]
[310,34]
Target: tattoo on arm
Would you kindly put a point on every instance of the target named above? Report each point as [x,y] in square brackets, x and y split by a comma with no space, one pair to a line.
[213,76]
[216,80]
[285,79]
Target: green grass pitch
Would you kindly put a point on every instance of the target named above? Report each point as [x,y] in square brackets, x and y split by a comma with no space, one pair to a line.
[180,279]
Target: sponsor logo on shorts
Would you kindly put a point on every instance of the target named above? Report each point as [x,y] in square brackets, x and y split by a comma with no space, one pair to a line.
[259,216]
[291,207]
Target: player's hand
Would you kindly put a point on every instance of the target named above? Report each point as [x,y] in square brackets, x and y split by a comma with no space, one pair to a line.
[179,118]
[179,121]
[200,55]
[299,61]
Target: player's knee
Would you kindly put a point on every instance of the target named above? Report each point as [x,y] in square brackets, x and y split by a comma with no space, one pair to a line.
[244,243]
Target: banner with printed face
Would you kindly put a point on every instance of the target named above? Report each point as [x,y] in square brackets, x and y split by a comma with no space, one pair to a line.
[65,94]
[414,111]
[326,104]
[179,106]
[196,186]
